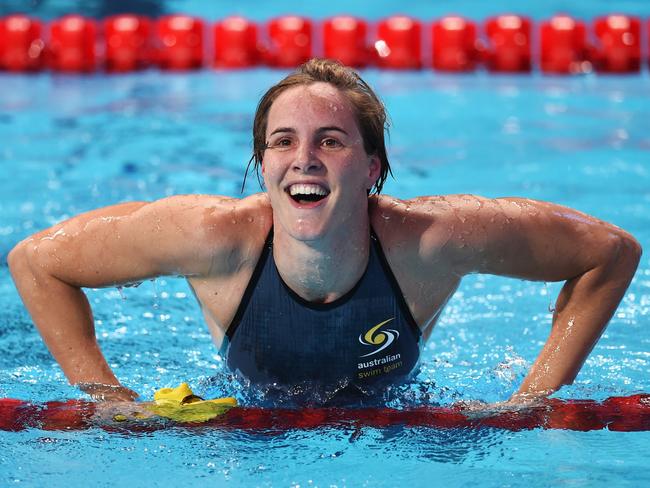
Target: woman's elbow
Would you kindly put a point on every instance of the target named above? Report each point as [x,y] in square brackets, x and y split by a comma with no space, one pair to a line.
[18,261]
[24,260]
[16,257]
[624,251]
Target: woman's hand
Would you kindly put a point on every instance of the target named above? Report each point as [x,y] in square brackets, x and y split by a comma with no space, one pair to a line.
[108,393]
[517,402]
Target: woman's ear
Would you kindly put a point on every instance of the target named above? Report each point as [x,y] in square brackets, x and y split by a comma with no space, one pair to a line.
[374,170]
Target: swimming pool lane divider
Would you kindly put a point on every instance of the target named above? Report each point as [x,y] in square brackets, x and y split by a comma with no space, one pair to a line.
[504,43]
[624,414]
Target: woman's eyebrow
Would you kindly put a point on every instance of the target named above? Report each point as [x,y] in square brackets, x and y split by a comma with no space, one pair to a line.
[332,128]
[291,130]
[282,130]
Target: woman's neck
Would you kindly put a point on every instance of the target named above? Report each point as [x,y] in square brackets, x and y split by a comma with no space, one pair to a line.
[325,269]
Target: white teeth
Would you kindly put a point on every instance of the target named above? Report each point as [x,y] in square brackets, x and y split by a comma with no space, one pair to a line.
[302,189]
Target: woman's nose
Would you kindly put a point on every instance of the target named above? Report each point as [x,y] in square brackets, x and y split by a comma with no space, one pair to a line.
[307,160]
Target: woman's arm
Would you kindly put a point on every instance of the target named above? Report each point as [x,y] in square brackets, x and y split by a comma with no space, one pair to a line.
[542,241]
[110,246]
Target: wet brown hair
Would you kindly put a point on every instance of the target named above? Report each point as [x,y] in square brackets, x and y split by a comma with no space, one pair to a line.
[368,108]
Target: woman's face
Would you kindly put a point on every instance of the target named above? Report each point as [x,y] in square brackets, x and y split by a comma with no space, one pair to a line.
[315,167]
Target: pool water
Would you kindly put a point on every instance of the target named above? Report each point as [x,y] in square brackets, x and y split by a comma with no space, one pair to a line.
[71,143]
[74,143]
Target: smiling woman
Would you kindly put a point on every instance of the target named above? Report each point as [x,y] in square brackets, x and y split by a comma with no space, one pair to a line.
[369,111]
[314,145]
[316,283]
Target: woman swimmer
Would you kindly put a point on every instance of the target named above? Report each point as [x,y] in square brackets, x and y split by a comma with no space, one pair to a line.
[319,279]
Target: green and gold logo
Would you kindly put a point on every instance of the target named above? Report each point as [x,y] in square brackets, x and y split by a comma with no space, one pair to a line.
[378,338]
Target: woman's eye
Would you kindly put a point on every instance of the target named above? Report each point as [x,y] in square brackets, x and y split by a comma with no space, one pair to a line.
[280,143]
[331,143]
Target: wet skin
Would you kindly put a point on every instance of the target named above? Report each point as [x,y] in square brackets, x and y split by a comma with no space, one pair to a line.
[321,246]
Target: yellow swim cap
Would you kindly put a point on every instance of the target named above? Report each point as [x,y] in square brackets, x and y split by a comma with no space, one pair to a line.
[182,405]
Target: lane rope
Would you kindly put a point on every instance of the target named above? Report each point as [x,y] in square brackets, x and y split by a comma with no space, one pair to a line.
[625,414]
[501,44]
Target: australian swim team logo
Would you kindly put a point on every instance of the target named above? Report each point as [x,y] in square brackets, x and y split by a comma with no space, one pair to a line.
[380,339]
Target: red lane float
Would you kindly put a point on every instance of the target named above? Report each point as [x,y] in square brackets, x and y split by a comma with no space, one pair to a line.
[291,41]
[344,38]
[72,44]
[15,414]
[454,44]
[398,44]
[235,43]
[127,42]
[21,43]
[563,46]
[509,38]
[624,414]
[619,37]
[179,42]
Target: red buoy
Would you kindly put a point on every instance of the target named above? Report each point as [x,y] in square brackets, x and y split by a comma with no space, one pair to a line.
[581,415]
[563,46]
[509,36]
[128,42]
[72,44]
[68,415]
[235,43]
[10,414]
[454,44]
[344,39]
[291,41]
[21,43]
[620,43]
[629,413]
[179,40]
[398,44]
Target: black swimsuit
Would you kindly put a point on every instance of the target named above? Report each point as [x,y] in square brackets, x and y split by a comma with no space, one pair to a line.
[366,339]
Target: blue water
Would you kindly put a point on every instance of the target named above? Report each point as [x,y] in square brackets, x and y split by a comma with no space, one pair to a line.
[74,143]
[70,143]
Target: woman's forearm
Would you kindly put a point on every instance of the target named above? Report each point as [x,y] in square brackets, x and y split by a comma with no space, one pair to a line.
[62,314]
[584,307]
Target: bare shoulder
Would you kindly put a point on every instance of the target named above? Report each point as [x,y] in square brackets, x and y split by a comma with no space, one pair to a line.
[424,209]
[422,224]
[445,226]
[214,227]
[212,214]
[190,235]
[415,236]
[452,212]
[506,235]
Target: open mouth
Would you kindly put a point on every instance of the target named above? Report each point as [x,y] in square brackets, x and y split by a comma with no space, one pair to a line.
[307,193]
